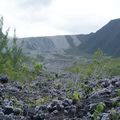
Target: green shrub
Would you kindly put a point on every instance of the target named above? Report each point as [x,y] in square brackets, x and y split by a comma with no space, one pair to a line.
[99,109]
[118,92]
[76,96]
[38,67]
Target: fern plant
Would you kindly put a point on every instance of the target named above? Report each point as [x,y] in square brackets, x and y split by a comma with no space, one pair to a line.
[99,109]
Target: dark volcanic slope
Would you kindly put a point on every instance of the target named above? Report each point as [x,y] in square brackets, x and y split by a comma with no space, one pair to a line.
[107,39]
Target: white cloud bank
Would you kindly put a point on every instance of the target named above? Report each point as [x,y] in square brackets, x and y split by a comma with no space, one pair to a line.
[53,17]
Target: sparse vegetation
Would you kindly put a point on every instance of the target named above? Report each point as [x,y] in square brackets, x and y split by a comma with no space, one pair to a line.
[12,60]
[114,115]
[99,109]
[99,67]
[118,92]
[76,96]
[38,68]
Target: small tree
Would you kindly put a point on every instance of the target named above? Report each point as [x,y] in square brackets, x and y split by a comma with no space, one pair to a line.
[38,67]
[16,52]
[4,50]
[11,56]
[98,58]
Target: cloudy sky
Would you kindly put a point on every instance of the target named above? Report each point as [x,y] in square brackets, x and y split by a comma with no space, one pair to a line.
[56,17]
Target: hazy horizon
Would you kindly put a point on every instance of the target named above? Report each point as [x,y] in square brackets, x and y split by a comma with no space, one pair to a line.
[57,17]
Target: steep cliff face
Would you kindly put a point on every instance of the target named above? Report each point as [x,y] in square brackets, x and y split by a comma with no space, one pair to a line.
[41,44]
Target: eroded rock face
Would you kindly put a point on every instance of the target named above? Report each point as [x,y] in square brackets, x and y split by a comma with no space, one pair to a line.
[38,101]
[51,43]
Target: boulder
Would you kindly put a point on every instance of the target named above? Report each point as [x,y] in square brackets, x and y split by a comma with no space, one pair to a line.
[3,79]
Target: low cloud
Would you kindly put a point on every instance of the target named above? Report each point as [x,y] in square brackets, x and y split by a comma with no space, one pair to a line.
[33,4]
[51,17]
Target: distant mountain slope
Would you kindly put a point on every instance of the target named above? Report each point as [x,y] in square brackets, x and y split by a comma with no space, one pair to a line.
[51,43]
[107,39]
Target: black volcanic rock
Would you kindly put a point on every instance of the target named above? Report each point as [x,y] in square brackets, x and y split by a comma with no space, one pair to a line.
[8,110]
[31,103]
[3,79]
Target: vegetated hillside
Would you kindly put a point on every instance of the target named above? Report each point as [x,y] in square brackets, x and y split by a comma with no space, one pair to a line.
[107,39]
[52,43]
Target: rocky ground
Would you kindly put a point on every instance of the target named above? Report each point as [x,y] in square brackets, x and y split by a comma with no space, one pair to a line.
[47,98]
[58,95]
